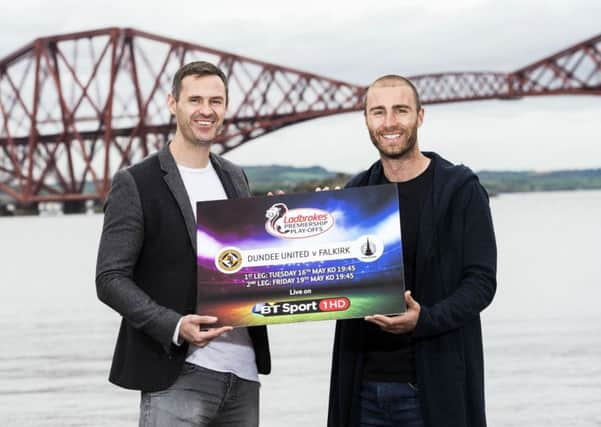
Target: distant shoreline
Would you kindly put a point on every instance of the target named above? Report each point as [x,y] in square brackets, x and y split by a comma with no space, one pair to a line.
[291,179]
[294,179]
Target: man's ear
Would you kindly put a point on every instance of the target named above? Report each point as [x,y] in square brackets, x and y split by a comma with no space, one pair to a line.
[420,116]
[171,103]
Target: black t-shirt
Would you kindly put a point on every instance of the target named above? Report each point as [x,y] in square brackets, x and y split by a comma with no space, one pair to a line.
[391,357]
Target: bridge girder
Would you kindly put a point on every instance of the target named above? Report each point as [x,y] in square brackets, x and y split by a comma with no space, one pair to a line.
[77,107]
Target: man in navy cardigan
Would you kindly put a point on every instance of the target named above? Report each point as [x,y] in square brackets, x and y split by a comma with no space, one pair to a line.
[425,366]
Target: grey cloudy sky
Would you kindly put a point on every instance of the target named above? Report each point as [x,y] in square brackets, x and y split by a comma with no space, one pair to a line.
[357,42]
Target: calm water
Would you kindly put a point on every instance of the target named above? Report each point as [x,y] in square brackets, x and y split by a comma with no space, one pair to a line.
[542,333]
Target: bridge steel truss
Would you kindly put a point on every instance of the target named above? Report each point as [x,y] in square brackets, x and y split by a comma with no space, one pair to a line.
[75,108]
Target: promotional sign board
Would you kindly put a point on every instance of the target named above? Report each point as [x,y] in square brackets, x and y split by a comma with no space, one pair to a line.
[298,257]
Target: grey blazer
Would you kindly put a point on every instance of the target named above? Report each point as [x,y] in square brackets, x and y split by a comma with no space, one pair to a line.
[147,272]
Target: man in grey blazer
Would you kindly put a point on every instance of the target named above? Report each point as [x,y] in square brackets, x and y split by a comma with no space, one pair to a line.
[189,373]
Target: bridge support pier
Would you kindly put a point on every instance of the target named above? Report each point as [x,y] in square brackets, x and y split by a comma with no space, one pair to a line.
[74,206]
[26,209]
[7,209]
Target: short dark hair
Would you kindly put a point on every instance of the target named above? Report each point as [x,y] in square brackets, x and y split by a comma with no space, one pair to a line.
[196,68]
[399,79]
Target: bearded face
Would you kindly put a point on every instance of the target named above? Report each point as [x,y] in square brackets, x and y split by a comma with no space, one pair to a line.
[392,119]
[396,141]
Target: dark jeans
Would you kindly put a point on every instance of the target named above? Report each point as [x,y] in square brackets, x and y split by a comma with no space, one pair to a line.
[389,404]
[202,398]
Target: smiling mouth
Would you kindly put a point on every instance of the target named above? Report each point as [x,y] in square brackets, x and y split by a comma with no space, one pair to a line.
[391,136]
[204,123]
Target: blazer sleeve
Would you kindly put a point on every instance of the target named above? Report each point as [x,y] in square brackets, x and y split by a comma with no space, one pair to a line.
[478,265]
[120,245]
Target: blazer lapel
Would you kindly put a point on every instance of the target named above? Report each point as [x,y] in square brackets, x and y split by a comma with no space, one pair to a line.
[233,181]
[176,186]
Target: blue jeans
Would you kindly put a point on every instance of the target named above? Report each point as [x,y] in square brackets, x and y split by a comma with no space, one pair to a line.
[201,398]
[389,404]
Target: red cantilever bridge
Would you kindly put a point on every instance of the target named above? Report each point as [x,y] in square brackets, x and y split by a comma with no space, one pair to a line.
[77,107]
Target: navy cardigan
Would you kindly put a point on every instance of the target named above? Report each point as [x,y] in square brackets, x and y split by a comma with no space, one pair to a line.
[455,281]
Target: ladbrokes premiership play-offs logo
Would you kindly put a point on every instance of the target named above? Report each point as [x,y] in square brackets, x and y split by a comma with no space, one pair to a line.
[296,223]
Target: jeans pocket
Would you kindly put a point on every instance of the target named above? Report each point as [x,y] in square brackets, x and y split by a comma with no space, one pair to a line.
[188,368]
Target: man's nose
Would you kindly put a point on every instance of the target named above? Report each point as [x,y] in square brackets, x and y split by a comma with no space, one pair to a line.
[391,119]
[205,108]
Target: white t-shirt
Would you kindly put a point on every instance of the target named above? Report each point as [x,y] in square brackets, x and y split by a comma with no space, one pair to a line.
[232,351]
